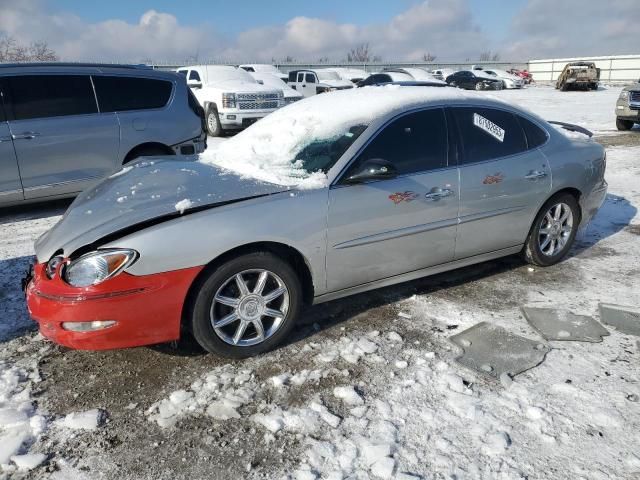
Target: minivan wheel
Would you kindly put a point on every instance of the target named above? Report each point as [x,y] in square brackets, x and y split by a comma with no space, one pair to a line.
[213,122]
[246,306]
[553,231]
[147,151]
[623,125]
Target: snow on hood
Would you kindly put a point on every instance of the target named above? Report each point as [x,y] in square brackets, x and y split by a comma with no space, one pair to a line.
[235,85]
[337,83]
[152,188]
[267,150]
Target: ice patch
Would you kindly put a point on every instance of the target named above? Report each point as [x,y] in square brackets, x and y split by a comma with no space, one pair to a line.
[89,420]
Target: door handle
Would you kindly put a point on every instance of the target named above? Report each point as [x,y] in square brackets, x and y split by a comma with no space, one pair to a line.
[438,193]
[535,174]
[25,136]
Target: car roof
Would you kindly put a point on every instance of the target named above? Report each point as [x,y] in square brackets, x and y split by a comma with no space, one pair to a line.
[86,68]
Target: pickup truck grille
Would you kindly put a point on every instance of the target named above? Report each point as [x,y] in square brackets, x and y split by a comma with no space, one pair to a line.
[634,100]
[258,101]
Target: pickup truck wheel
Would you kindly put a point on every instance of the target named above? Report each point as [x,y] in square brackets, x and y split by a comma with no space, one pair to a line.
[623,125]
[213,122]
[246,306]
[553,231]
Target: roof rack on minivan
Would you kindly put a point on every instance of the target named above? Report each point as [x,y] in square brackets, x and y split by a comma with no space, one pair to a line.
[74,64]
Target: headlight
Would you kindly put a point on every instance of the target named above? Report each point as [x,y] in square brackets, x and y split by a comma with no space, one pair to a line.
[624,95]
[98,266]
[229,100]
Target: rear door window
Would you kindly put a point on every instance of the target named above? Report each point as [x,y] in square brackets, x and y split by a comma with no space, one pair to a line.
[44,96]
[121,94]
[487,133]
[416,142]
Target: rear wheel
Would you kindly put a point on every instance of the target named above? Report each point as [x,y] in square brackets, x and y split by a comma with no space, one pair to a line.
[553,231]
[147,151]
[246,306]
[213,122]
[623,125]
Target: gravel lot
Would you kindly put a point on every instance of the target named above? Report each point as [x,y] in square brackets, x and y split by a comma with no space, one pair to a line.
[367,386]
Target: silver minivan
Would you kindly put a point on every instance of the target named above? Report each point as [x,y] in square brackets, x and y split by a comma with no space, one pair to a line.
[64,127]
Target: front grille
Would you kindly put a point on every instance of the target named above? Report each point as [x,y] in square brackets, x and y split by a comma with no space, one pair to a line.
[258,101]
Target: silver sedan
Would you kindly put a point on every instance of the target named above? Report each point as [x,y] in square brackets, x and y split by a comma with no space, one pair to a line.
[331,196]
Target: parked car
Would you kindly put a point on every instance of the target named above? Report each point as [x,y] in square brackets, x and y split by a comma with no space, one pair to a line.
[416,73]
[263,68]
[290,95]
[579,75]
[628,107]
[474,80]
[328,197]
[508,80]
[525,75]
[312,82]
[441,73]
[232,99]
[64,127]
[354,75]
[385,77]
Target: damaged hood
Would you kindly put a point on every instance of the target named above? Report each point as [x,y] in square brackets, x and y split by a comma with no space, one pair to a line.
[154,189]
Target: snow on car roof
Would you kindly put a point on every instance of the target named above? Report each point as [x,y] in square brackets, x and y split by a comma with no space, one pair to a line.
[267,150]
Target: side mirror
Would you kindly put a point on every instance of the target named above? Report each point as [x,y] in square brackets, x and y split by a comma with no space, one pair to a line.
[194,84]
[373,169]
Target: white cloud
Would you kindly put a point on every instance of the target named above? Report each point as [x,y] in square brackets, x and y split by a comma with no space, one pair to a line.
[552,28]
[445,28]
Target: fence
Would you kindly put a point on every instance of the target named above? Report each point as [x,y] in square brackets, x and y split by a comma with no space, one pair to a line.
[614,69]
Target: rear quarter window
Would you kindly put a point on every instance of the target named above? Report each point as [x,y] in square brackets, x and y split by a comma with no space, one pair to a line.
[488,133]
[535,135]
[120,94]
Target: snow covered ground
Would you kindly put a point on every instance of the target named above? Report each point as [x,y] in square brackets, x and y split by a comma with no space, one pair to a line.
[367,387]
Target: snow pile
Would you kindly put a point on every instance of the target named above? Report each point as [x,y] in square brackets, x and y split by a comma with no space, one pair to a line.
[268,149]
[219,394]
[183,205]
[20,425]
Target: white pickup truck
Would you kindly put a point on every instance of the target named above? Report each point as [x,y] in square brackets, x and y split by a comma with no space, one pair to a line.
[232,99]
[312,82]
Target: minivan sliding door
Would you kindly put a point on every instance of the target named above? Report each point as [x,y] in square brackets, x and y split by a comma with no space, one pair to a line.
[10,186]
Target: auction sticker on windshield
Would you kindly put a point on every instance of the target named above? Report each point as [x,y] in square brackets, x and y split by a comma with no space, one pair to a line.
[489,127]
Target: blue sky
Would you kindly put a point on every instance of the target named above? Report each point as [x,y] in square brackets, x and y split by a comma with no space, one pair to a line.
[236,16]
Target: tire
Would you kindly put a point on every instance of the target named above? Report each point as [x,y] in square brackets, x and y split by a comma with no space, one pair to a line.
[230,339]
[212,119]
[479,87]
[149,151]
[546,249]
[624,125]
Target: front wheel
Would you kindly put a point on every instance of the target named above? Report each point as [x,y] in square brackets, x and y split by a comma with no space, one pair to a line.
[479,86]
[246,306]
[213,122]
[623,125]
[553,231]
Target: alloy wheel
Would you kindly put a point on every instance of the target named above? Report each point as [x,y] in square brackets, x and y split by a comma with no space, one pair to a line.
[555,229]
[249,307]
[212,122]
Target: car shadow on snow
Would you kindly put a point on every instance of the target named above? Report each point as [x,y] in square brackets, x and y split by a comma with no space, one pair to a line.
[33,211]
[15,321]
[615,215]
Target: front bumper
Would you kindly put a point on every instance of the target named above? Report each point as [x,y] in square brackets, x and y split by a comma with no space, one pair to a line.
[147,309]
[625,111]
[237,119]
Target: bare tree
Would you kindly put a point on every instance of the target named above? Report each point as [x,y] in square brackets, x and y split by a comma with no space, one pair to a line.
[12,51]
[427,57]
[362,53]
[489,56]
[323,60]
